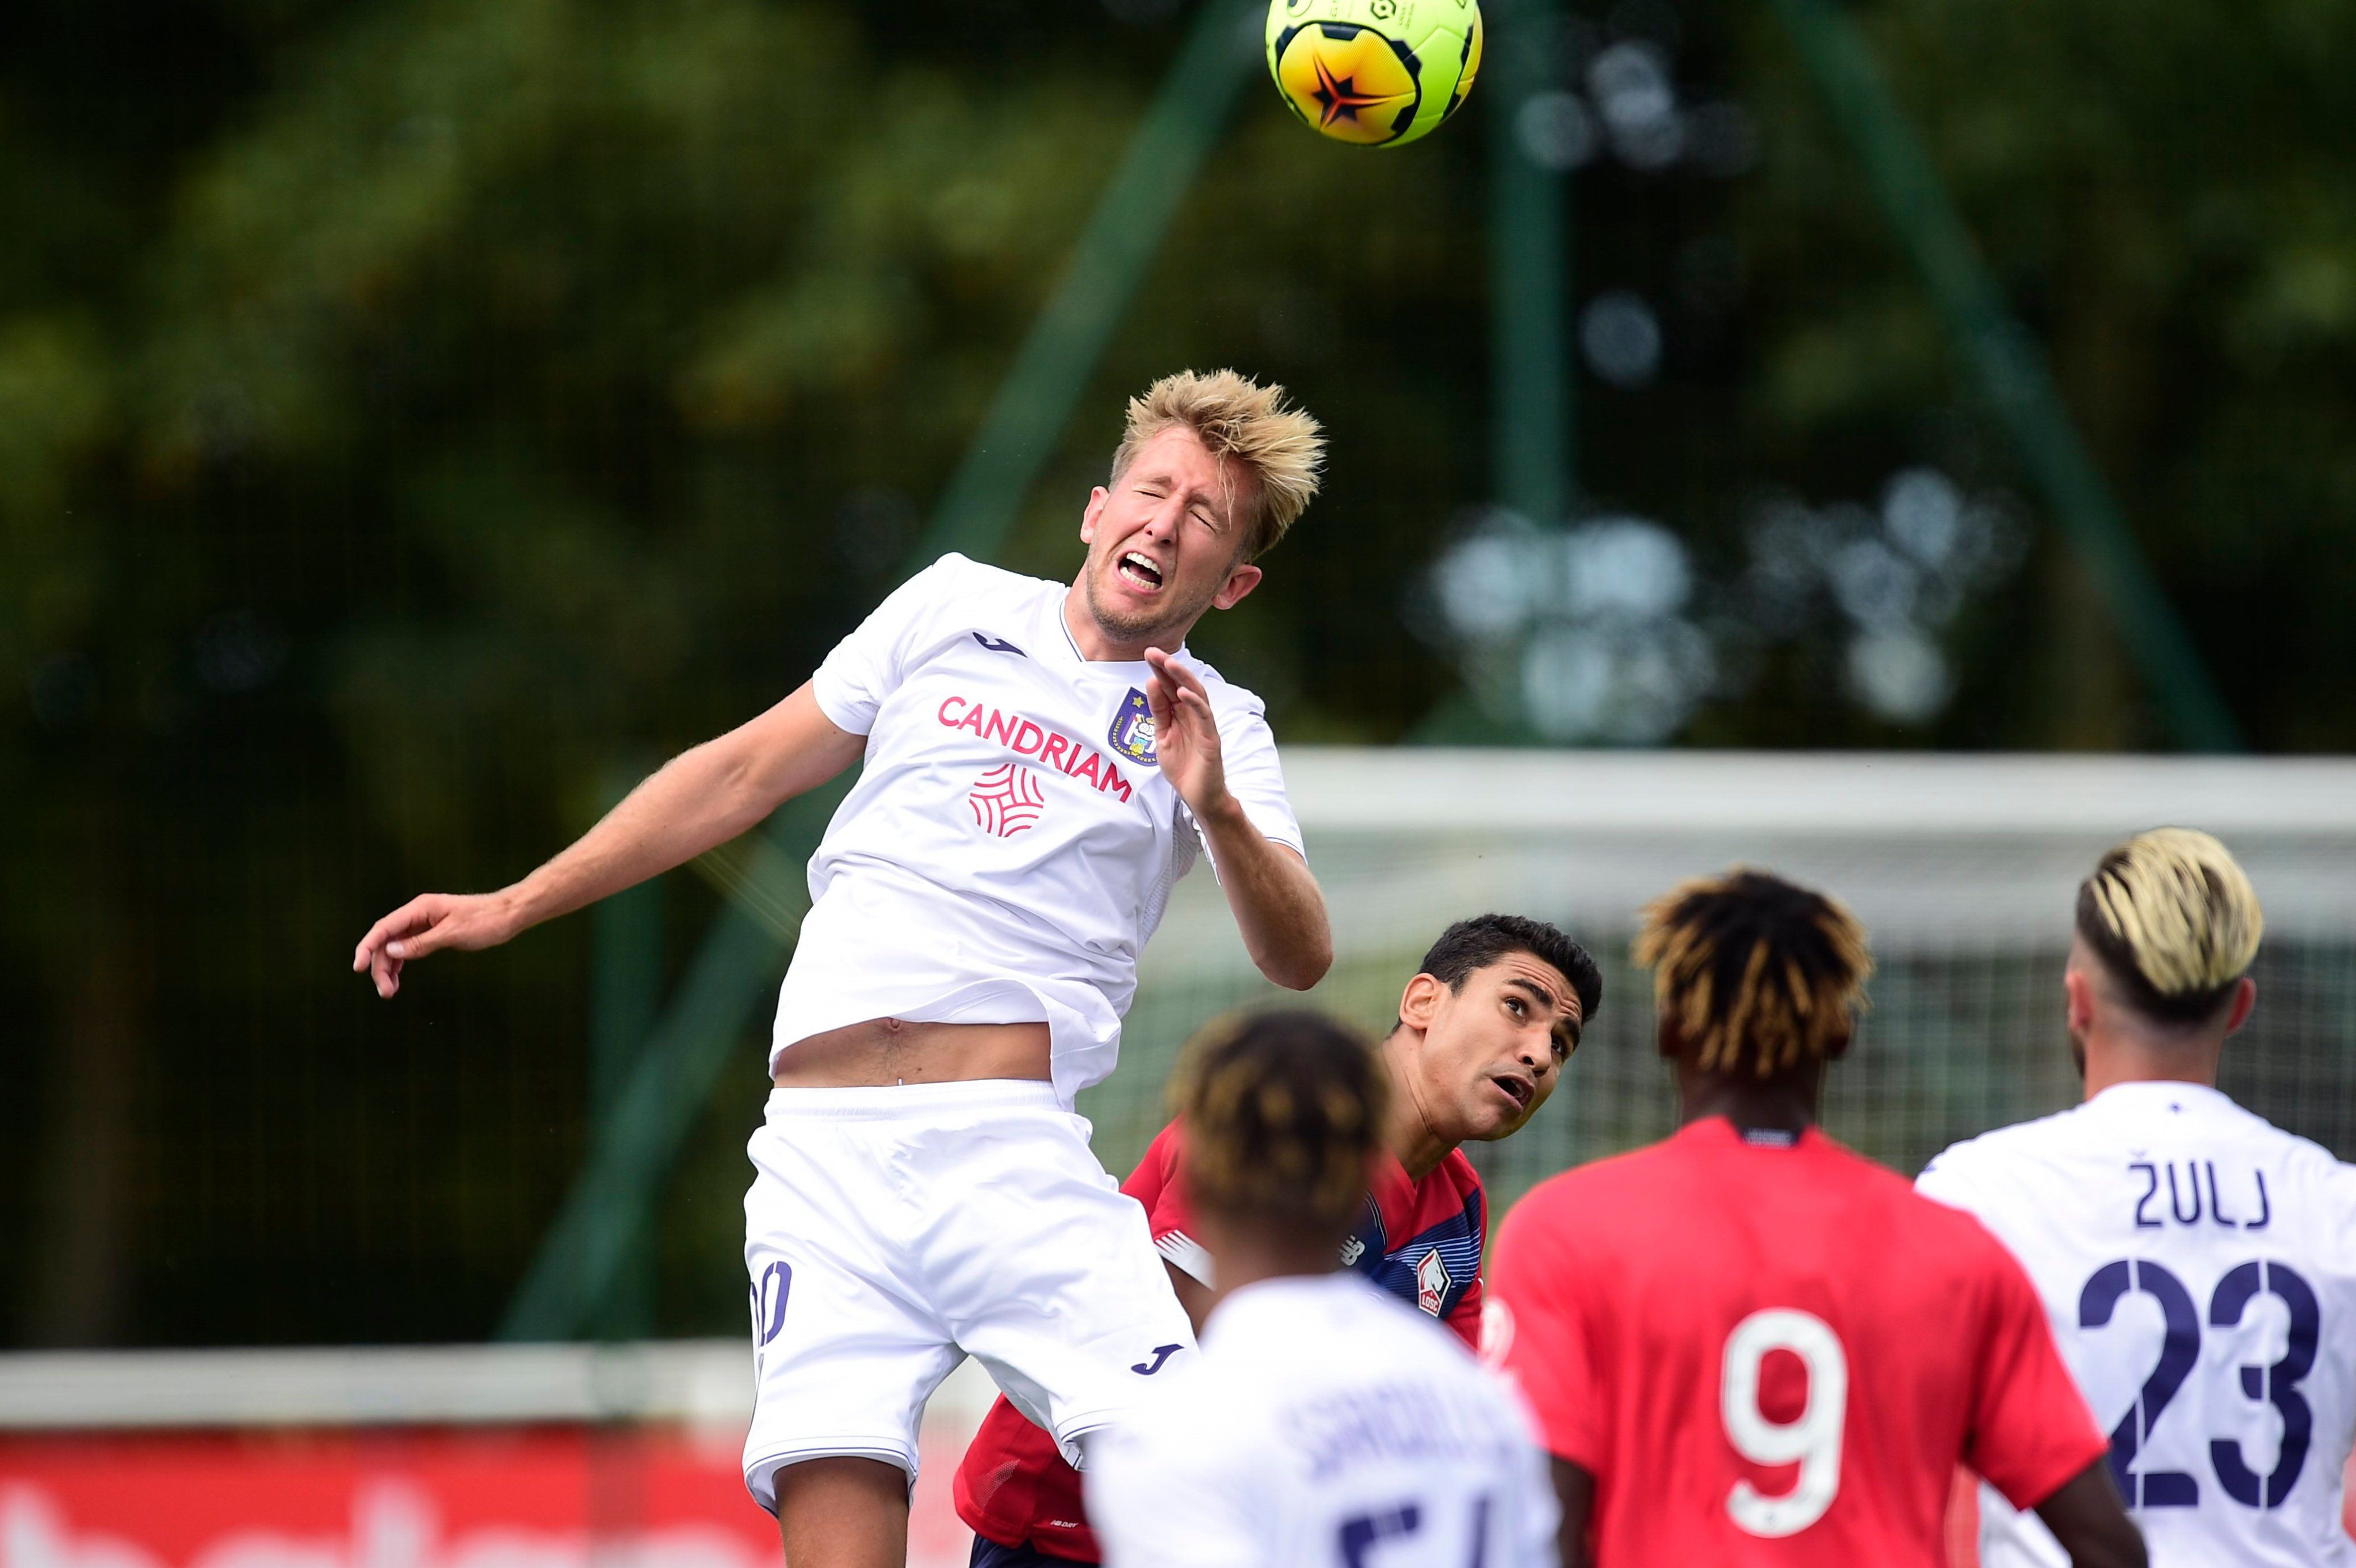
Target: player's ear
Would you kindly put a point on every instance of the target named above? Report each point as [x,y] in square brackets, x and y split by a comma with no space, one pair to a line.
[2077,1000]
[1419,1002]
[1241,581]
[1672,1043]
[2246,1000]
[1092,514]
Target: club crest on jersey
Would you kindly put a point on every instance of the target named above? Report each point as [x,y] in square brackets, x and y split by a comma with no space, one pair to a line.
[1431,1282]
[1007,800]
[1133,729]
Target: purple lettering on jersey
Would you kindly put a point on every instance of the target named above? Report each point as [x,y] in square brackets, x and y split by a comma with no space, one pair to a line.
[1028,737]
[1052,754]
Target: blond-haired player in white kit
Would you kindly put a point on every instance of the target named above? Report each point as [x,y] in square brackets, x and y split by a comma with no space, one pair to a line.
[2198,1265]
[1041,762]
[1326,1421]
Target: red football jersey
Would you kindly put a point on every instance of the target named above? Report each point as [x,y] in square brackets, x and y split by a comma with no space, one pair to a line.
[1776,1352]
[1420,1241]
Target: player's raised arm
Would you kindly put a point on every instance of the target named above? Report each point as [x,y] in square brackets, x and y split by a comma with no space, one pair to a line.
[701,797]
[1277,903]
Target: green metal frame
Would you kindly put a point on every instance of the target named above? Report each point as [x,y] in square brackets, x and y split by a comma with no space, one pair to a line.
[2010,368]
[1533,418]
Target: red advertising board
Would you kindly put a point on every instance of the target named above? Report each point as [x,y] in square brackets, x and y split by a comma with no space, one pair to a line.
[464,1497]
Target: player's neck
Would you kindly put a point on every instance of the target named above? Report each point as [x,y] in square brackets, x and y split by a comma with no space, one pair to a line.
[1099,646]
[2117,1058]
[1409,1134]
[1247,1258]
[1784,1103]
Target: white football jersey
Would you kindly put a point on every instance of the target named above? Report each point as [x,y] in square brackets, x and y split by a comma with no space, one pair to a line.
[1011,841]
[2198,1267]
[1324,1422]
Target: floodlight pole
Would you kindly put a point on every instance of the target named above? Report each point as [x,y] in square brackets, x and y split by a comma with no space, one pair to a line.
[2011,370]
[1529,273]
[635,1145]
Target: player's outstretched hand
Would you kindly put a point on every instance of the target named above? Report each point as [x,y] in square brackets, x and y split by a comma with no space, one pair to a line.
[429,923]
[1186,732]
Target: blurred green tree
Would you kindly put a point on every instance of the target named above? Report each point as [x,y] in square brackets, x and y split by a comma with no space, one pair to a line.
[408,407]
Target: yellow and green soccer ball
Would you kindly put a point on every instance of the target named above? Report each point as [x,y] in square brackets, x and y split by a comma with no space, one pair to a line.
[1373,73]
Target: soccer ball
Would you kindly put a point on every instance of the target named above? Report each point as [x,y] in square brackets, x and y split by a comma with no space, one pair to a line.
[1375,72]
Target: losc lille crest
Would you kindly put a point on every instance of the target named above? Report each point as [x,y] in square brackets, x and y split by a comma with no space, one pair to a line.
[1133,729]
[1431,1282]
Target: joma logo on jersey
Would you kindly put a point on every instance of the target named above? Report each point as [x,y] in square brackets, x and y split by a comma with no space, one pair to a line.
[1133,729]
[1070,757]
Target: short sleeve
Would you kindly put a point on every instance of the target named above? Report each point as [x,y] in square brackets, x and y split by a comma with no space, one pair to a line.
[1254,777]
[1466,1316]
[1464,1319]
[1539,1337]
[1170,1218]
[1157,1504]
[867,666]
[2030,1428]
[1945,1180]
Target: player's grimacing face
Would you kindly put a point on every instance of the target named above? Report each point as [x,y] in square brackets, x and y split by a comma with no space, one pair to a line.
[1493,1051]
[1164,539]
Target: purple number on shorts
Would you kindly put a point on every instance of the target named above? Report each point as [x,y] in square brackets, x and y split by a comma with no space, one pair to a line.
[769,1309]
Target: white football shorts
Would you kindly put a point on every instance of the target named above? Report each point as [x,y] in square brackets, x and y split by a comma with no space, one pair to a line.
[889,1231]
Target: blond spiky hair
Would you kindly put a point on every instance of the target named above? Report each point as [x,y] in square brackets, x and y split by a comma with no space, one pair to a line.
[1279,445]
[1753,972]
[2175,918]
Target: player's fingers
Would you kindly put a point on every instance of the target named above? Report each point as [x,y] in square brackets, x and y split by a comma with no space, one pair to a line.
[1158,698]
[1186,679]
[390,928]
[385,971]
[427,939]
[1197,709]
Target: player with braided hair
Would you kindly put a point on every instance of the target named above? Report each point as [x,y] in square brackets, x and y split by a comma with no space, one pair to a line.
[1747,1345]
[2198,1265]
[1323,1419]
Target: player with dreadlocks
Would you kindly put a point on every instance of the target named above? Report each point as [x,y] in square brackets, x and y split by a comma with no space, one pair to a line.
[1746,1344]
[1324,1416]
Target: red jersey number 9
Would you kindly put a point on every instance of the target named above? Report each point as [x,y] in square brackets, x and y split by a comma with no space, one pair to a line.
[1813,1438]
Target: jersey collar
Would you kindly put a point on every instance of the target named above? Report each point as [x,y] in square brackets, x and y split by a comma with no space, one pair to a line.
[2162,1093]
[1132,671]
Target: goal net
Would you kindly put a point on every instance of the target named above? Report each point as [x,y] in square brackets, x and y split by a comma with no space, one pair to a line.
[1965,870]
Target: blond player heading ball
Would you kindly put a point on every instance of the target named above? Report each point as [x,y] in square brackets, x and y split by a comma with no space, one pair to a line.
[1043,761]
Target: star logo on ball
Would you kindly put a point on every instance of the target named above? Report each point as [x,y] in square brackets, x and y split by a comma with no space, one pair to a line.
[1338,98]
